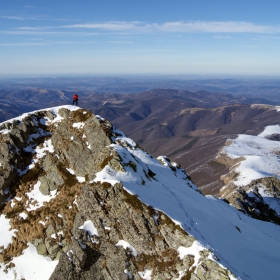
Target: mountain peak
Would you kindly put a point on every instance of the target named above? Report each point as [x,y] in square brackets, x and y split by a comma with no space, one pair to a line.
[80,200]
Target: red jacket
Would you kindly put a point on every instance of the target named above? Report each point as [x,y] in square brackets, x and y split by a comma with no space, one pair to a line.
[75,97]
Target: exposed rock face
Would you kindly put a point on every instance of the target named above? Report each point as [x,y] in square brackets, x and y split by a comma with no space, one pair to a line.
[58,154]
[118,215]
[256,198]
[13,156]
[249,200]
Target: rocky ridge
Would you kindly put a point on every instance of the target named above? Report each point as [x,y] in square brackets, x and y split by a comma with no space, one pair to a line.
[259,196]
[53,200]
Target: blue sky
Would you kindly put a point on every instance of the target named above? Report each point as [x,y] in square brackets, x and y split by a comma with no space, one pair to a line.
[139,37]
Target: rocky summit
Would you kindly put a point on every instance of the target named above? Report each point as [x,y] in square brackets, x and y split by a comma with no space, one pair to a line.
[80,200]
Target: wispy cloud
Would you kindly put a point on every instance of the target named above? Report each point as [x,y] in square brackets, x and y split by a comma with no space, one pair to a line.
[44,43]
[222,37]
[270,37]
[218,30]
[110,26]
[34,28]
[36,32]
[217,27]
[13,17]
[182,27]
[120,42]
[35,18]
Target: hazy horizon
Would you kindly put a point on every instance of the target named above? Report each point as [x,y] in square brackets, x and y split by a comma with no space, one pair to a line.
[139,76]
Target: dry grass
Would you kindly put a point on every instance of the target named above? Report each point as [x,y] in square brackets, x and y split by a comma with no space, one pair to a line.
[106,185]
[31,228]
[105,161]
[81,115]
[167,221]
[133,201]
[166,263]
[69,179]
[107,130]
[32,174]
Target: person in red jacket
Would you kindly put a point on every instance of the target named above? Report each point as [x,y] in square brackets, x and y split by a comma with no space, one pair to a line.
[75,99]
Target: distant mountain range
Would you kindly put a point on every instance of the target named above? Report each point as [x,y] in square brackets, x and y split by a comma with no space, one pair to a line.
[260,87]
[174,123]
[18,101]
[183,124]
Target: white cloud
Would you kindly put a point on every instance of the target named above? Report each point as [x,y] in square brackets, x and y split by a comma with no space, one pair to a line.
[217,27]
[44,43]
[46,33]
[35,17]
[13,17]
[182,27]
[24,17]
[270,37]
[34,28]
[120,42]
[110,26]
[222,37]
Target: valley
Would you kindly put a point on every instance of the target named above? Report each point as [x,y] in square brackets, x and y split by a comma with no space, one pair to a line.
[188,126]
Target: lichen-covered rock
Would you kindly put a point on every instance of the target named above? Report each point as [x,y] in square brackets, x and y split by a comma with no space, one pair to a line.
[42,249]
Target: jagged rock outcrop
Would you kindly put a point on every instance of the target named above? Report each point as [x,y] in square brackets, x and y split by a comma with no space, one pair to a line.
[49,161]
[259,198]
[249,200]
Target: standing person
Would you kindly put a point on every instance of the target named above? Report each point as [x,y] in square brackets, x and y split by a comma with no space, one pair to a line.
[75,99]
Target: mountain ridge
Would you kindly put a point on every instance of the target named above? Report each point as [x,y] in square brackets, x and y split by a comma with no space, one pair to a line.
[115,211]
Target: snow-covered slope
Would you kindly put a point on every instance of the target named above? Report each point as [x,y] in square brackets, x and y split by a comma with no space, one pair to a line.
[257,167]
[249,248]
[261,155]
[240,242]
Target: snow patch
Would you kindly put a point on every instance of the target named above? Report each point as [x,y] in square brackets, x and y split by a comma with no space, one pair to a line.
[54,110]
[71,171]
[79,125]
[6,233]
[260,157]
[89,227]
[37,199]
[193,250]
[126,245]
[269,130]
[23,215]
[41,268]
[146,275]
[81,179]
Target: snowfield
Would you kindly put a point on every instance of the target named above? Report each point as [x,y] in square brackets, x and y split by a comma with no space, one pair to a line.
[240,242]
[262,156]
